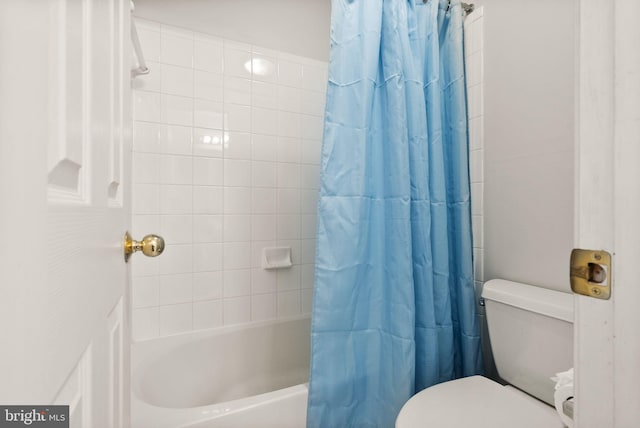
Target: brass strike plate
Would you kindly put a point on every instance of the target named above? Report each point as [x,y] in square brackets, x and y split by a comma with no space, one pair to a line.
[591,273]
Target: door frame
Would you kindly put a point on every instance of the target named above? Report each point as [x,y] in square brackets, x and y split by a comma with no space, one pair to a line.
[607,193]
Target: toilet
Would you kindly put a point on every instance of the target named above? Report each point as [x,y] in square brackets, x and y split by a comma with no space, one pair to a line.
[531,332]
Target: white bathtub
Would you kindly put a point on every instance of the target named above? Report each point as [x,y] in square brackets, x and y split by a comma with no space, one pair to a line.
[240,377]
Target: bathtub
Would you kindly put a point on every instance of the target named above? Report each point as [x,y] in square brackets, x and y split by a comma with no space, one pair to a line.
[238,377]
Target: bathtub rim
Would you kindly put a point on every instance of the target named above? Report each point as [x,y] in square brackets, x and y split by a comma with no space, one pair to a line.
[214,331]
[150,350]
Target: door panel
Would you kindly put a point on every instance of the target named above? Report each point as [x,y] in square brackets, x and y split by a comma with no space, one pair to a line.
[64,151]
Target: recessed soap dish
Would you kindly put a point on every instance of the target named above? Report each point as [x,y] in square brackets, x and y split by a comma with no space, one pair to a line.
[276,257]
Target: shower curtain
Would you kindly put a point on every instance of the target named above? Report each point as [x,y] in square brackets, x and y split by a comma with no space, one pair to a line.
[393,309]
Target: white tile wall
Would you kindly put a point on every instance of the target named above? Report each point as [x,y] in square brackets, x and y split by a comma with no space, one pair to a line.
[474,61]
[226,151]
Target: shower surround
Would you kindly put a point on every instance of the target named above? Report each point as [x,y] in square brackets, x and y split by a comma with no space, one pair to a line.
[226,151]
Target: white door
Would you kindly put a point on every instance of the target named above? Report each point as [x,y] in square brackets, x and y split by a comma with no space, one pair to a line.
[64,160]
[607,343]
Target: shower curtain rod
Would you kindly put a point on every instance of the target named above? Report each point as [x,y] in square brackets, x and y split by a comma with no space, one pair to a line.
[466,7]
[142,64]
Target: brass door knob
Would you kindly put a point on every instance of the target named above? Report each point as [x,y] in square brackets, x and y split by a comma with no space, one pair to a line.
[151,246]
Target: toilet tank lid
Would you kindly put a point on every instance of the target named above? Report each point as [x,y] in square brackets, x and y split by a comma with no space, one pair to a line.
[540,300]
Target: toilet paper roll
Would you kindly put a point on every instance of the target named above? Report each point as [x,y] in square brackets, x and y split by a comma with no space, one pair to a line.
[562,394]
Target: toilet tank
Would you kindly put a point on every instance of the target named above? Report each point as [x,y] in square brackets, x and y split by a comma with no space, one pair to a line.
[531,334]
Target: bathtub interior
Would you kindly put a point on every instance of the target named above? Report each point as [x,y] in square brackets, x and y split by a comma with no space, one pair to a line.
[224,366]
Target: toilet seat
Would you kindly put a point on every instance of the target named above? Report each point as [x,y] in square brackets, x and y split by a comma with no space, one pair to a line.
[475,402]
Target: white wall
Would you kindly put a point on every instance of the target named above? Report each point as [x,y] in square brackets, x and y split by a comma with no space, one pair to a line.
[529,140]
[300,27]
[226,162]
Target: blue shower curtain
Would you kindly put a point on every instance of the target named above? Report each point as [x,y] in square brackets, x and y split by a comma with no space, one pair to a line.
[393,309]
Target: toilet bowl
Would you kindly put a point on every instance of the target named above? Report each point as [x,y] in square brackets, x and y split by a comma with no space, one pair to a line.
[475,402]
[523,320]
